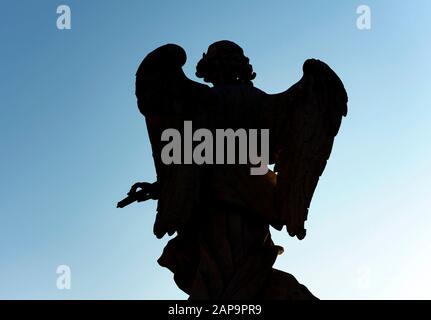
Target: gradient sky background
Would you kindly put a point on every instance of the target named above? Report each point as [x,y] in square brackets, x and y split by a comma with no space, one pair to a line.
[72,142]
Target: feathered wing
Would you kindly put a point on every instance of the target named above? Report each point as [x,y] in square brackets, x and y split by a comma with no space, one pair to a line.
[304,121]
[166,97]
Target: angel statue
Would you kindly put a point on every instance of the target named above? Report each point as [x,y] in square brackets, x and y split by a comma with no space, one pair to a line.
[220,214]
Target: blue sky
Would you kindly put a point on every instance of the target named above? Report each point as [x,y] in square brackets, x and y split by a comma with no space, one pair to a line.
[73,142]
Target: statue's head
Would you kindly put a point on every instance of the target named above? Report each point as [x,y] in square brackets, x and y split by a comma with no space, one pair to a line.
[225,63]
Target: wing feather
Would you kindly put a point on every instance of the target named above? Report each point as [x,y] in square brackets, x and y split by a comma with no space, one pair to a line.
[306,119]
[166,97]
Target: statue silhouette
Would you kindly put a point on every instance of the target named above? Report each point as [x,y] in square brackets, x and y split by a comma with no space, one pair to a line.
[220,213]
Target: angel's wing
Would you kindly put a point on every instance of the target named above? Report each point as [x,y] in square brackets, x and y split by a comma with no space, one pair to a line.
[166,97]
[304,121]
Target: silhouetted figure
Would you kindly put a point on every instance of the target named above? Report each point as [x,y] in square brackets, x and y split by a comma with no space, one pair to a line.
[221,213]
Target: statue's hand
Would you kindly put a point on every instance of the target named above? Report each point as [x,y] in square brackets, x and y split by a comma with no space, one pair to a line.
[142,191]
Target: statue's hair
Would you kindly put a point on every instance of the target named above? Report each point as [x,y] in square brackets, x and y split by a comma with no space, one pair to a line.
[225,63]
